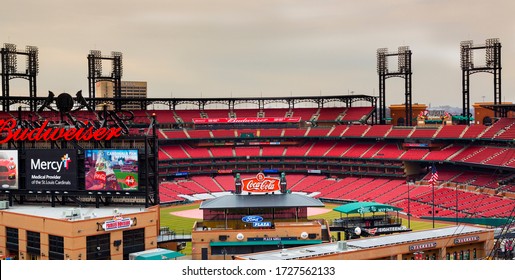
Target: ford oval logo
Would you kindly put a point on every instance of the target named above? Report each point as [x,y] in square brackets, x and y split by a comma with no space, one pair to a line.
[252,219]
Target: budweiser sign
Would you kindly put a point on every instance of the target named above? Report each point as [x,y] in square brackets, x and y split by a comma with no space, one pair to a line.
[260,184]
[9,130]
[245,120]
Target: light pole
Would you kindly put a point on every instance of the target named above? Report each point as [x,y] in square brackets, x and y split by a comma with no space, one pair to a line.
[433,187]
[409,208]
[456,204]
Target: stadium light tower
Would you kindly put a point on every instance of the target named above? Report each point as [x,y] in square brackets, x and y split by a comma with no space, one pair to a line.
[9,58]
[95,59]
[403,71]
[492,65]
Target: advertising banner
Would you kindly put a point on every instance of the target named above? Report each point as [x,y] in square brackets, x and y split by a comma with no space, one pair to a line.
[51,169]
[111,170]
[261,184]
[246,120]
[9,169]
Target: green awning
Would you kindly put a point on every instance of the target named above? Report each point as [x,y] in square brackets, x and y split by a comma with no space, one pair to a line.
[155,254]
[365,207]
[273,242]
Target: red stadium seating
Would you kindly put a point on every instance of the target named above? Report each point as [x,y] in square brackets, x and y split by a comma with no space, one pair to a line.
[357,150]
[389,151]
[208,183]
[450,131]
[443,154]
[162,116]
[399,132]
[275,113]
[224,133]
[294,132]
[199,134]
[200,152]
[355,131]
[188,115]
[414,154]
[272,151]
[216,114]
[473,131]
[498,127]
[329,114]
[270,132]
[304,113]
[337,131]
[222,151]
[354,114]
[298,151]
[320,148]
[176,134]
[378,131]
[340,148]
[421,132]
[252,151]
[318,132]
[246,113]
[175,151]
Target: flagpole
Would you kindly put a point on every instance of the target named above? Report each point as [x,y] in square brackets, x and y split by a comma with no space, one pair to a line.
[433,187]
[456,204]
[432,180]
[409,210]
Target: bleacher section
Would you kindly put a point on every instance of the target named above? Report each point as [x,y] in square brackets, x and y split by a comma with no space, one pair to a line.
[355,114]
[337,160]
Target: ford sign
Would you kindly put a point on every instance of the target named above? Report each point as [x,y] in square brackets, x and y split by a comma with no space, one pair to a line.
[252,219]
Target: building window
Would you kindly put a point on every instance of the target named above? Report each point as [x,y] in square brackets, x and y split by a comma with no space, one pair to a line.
[33,243]
[98,247]
[133,241]
[12,239]
[55,247]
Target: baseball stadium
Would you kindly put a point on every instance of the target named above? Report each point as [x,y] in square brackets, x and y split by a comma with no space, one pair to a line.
[92,177]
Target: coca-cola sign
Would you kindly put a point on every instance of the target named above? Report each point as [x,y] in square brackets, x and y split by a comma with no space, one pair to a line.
[260,184]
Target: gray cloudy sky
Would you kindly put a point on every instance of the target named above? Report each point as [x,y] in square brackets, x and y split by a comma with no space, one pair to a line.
[263,48]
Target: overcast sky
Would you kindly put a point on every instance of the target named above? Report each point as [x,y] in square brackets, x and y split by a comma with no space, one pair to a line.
[241,48]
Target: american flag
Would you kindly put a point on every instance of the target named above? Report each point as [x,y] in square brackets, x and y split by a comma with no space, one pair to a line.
[434,175]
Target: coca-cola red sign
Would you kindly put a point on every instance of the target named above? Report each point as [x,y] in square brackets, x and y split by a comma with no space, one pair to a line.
[260,184]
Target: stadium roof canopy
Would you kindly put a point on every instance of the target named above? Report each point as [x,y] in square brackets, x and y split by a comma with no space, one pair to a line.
[261,201]
[503,109]
[156,254]
[365,207]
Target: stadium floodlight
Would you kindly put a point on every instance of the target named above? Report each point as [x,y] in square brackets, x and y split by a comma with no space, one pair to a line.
[117,64]
[97,61]
[12,58]
[467,57]
[382,62]
[33,59]
[490,51]
[403,53]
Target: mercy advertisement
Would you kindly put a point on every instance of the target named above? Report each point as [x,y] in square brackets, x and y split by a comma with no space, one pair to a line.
[51,169]
[9,169]
[111,170]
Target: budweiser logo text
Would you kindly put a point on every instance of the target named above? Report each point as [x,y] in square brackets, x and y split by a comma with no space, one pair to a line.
[10,130]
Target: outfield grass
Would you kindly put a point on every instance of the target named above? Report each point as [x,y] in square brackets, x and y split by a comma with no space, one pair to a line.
[179,224]
[184,225]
